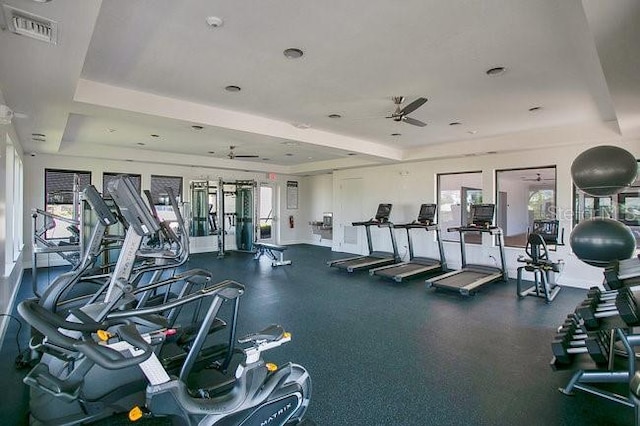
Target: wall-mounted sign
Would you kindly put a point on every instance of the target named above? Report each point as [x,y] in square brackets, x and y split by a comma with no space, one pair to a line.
[292,194]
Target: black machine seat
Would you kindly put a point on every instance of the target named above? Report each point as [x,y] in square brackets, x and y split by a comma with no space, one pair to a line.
[539,263]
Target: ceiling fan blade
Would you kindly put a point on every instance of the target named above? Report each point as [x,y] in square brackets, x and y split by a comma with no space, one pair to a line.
[413,121]
[413,106]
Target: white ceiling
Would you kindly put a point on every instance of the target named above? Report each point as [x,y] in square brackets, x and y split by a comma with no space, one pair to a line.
[155,67]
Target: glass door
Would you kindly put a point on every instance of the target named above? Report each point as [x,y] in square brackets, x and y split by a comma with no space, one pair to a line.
[266,213]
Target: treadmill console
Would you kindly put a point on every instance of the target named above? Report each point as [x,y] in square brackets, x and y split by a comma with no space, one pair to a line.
[383,213]
[427,214]
[547,229]
[481,215]
[131,206]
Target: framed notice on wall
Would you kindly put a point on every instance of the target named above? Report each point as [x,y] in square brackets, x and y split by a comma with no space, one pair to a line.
[292,194]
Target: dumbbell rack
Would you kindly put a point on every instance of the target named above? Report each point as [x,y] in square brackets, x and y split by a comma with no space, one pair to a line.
[590,335]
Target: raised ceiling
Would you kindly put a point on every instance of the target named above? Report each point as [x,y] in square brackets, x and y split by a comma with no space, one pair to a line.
[123,70]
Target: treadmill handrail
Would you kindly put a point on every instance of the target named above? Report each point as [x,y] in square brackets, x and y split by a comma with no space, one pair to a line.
[372,222]
[418,225]
[493,230]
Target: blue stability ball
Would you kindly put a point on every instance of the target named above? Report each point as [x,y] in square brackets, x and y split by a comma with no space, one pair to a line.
[600,241]
[604,170]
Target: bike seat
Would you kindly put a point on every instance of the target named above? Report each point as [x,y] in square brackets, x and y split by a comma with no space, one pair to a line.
[269,334]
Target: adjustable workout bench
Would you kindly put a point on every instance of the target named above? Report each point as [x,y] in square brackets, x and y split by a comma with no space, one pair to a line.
[269,250]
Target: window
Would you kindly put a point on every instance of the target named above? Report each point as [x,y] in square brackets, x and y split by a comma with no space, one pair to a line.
[18,182]
[13,200]
[624,206]
[456,192]
[62,189]
[160,196]
[159,185]
[522,196]
[107,177]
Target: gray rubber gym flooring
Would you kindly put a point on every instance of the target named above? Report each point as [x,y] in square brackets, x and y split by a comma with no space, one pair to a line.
[382,353]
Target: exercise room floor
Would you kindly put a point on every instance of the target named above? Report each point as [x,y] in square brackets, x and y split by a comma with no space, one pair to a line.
[382,353]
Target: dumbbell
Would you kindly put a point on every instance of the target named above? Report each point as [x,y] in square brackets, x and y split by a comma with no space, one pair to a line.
[602,295]
[595,344]
[624,306]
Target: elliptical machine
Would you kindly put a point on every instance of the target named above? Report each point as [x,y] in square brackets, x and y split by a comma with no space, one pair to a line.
[262,393]
[83,376]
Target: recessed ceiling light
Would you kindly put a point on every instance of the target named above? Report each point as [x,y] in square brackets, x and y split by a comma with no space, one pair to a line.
[211,152]
[111,130]
[129,160]
[495,71]
[293,53]
[141,144]
[214,21]
[232,89]
[153,135]
[455,123]
[334,116]
[197,127]
[38,139]
[352,153]
[266,159]
[472,132]
[492,152]
[396,134]
[535,108]
[302,126]
[39,135]
[309,158]
[288,154]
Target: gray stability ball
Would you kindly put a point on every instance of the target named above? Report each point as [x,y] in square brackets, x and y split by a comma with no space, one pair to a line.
[604,170]
[600,241]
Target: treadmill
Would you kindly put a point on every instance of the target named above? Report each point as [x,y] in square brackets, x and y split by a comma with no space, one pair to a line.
[471,277]
[375,258]
[416,265]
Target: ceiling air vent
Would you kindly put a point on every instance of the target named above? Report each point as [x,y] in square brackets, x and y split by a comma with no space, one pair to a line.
[30,25]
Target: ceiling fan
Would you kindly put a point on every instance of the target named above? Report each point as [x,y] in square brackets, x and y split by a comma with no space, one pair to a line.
[233,155]
[538,178]
[400,114]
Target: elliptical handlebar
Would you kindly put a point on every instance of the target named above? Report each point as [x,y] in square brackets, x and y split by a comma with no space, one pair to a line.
[50,325]
[111,359]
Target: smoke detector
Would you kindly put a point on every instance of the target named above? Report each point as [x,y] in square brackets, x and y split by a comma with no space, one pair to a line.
[30,25]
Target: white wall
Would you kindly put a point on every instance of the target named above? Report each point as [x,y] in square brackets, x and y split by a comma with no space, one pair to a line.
[34,191]
[10,262]
[408,185]
[316,198]
[517,211]
[405,185]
